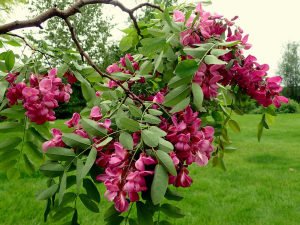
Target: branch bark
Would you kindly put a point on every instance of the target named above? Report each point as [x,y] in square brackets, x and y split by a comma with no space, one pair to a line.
[72,10]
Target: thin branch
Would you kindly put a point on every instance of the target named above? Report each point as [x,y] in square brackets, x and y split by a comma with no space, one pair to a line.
[91,63]
[30,46]
[72,10]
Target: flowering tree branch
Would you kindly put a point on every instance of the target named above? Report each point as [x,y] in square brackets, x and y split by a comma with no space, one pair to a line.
[84,55]
[72,10]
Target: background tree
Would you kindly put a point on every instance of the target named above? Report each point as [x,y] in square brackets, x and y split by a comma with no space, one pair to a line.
[92,27]
[289,68]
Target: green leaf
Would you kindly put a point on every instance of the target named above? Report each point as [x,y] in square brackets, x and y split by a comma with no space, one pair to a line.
[9,60]
[28,165]
[121,76]
[135,111]
[3,86]
[128,124]
[155,112]
[144,215]
[159,184]
[79,166]
[47,210]
[16,112]
[11,154]
[129,65]
[63,212]
[87,91]
[89,162]
[126,140]
[75,218]
[10,127]
[9,143]
[234,126]
[110,213]
[219,52]
[165,145]
[49,192]
[229,43]
[52,169]
[181,105]
[211,59]
[104,142]
[149,138]
[13,173]
[115,220]
[176,95]
[179,81]
[61,154]
[172,211]
[158,132]
[62,187]
[125,43]
[13,43]
[74,140]
[88,203]
[172,195]
[158,61]
[166,161]
[146,67]
[7,164]
[197,95]
[198,53]
[42,130]
[68,197]
[151,119]
[92,127]
[186,68]
[91,190]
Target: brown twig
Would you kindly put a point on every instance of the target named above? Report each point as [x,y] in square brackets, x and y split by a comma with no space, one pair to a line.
[72,10]
[96,68]
[30,46]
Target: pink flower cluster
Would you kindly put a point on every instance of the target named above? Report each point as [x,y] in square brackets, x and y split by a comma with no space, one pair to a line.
[207,26]
[123,177]
[122,67]
[41,97]
[250,76]
[192,143]
[95,114]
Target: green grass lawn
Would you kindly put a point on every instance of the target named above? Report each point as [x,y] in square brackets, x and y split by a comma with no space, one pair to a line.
[260,187]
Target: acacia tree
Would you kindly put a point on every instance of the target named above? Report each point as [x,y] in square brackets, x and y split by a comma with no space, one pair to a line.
[149,116]
[289,67]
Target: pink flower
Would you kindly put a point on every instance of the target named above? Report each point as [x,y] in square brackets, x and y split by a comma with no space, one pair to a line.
[56,141]
[121,204]
[178,16]
[113,68]
[45,85]
[96,113]
[159,98]
[70,77]
[189,37]
[73,122]
[52,73]
[277,100]
[144,161]
[182,179]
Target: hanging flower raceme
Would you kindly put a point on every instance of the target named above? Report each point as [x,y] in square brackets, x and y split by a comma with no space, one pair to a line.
[40,97]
